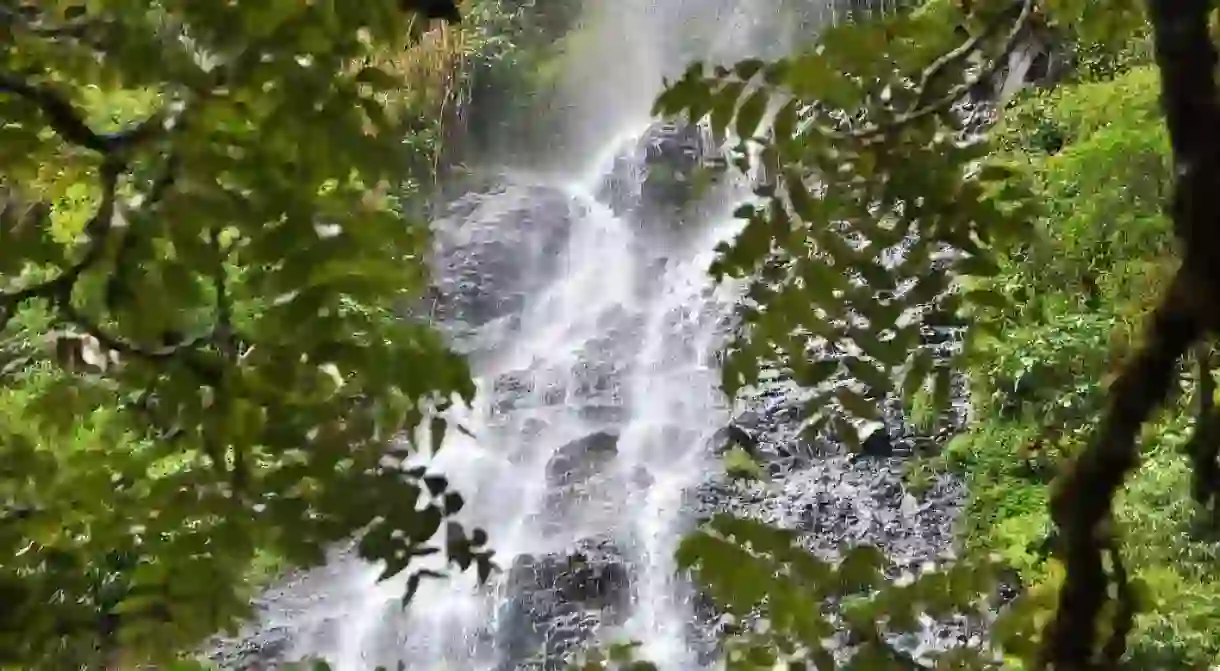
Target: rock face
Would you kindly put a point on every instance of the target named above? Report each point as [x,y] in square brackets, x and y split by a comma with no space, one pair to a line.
[557,602]
[834,497]
[580,459]
[267,643]
[259,651]
[494,248]
[655,175]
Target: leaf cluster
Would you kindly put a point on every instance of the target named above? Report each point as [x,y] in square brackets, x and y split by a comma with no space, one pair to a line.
[791,607]
[876,208]
[199,225]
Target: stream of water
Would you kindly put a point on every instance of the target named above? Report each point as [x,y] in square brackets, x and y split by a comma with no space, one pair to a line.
[596,326]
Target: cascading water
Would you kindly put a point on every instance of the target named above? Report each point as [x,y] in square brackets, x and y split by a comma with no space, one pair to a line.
[593,326]
[591,425]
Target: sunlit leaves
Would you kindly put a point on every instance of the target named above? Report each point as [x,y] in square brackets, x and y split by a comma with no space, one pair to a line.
[791,605]
[1106,23]
[868,231]
[230,378]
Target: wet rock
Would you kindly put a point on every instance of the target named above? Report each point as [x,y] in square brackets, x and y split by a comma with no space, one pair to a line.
[525,389]
[494,248]
[735,435]
[260,651]
[609,415]
[556,602]
[641,478]
[656,173]
[580,459]
[602,381]
[875,441]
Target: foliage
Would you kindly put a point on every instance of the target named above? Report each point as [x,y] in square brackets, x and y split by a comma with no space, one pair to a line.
[878,209]
[516,75]
[186,185]
[1037,392]
[867,155]
[778,593]
[738,463]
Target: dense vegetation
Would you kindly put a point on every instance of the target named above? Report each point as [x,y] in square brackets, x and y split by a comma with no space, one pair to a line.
[1080,287]
[167,229]
[185,185]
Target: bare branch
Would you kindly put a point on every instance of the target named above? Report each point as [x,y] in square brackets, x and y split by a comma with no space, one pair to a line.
[964,51]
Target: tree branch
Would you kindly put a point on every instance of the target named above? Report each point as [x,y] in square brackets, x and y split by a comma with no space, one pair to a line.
[921,108]
[69,123]
[1187,60]
[963,51]
[1082,500]
[59,289]
[77,28]
[1202,447]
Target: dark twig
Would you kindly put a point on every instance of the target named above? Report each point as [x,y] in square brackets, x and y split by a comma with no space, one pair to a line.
[59,289]
[225,340]
[69,123]
[130,349]
[223,330]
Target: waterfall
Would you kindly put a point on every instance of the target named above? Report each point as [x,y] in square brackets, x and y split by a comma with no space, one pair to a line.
[584,300]
[592,422]
[594,327]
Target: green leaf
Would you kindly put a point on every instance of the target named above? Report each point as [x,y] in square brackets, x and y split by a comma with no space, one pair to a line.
[748,68]
[724,105]
[860,569]
[750,115]
[987,298]
[740,464]
[856,405]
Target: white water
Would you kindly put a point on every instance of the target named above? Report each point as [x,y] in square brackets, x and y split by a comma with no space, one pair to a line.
[672,409]
[663,328]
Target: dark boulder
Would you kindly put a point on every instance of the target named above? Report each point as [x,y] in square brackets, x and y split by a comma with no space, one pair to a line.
[492,249]
[604,414]
[657,172]
[875,441]
[556,602]
[735,435]
[524,389]
[581,459]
